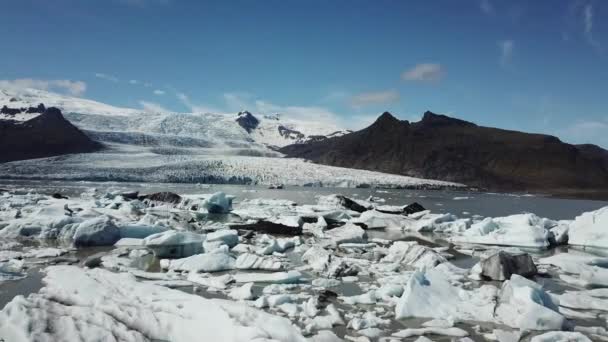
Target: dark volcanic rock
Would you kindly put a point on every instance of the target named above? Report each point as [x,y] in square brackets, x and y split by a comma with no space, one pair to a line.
[290,133]
[130,195]
[268,227]
[413,208]
[444,148]
[247,121]
[167,197]
[59,196]
[351,204]
[46,135]
[502,265]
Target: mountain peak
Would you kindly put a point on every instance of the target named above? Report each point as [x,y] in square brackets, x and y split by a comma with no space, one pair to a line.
[247,120]
[386,117]
[433,119]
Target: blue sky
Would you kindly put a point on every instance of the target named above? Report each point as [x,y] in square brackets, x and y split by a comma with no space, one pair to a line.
[538,66]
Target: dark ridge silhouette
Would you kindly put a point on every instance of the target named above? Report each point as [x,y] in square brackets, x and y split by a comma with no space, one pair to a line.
[46,135]
[445,148]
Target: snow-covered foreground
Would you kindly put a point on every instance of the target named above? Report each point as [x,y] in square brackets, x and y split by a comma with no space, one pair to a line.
[204,168]
[210,267]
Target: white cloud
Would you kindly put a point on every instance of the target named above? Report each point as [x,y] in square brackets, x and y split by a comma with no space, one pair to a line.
[588,26]
[152,107]
[372,98]
[106,77]
[133,82]
[424,72]
[486,7]
[75,88]
[506,51]
[159,92]
[195,108]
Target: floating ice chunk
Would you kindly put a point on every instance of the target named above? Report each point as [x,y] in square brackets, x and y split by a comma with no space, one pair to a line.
[325,336]
[413,254]
[129,242]
[93,305]
[325,282]
[365,298]
[589,229]
[572,262]
[373,219]
[140,231]
[220,282]
[45,253]
[522,230]
[289,221]
[431,295]
[453,332]
[229,237]
[218,203]
[317,257]
[583,300]
[560,336]
[242,293]
[349,233]
[524,304]
[428,222]
[99,231]
[368,320]
[174,244]
[249,261]
[207,262]
[277,277]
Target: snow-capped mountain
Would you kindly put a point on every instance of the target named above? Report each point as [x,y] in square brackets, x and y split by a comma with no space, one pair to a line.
[109,124]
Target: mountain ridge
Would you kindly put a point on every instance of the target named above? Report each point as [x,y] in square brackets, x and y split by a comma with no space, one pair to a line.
[451,149]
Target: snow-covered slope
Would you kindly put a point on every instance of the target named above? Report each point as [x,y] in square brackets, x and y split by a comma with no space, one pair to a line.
[187,147]
[219,130]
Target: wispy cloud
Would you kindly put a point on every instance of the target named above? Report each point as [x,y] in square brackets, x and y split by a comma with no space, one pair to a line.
[506,51]
[424,72]
[134,82]
[159,92]
[588,26]
[193,107]
[152,107]
[106,77]
[486,7]
[75,88]
[374,98]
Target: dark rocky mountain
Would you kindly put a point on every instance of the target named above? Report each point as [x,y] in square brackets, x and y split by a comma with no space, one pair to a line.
[247,121]
[48,134]
[445,148]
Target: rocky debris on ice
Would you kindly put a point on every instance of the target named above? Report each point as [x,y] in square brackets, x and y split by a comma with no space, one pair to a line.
[162,197]
[174,244]
[268,227]
[92,305]
[501,265]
